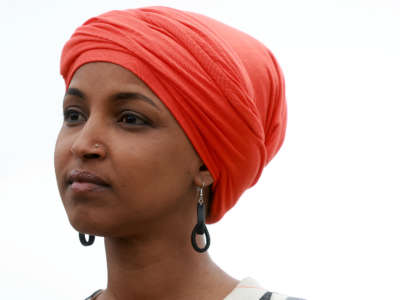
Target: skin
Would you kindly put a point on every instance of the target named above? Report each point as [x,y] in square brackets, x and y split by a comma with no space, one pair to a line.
[147,214]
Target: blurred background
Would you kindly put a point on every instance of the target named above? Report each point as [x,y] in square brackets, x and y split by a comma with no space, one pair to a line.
[322,222]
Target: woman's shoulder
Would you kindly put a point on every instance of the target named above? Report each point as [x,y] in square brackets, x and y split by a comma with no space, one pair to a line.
[250,289]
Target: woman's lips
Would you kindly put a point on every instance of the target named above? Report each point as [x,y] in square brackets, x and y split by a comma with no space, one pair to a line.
[82,187]
[81,181]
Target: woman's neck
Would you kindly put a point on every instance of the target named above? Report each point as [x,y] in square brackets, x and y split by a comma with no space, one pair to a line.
[161,268]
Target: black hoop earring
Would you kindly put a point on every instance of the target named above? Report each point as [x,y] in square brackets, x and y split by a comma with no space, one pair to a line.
[200,228]
[83,240]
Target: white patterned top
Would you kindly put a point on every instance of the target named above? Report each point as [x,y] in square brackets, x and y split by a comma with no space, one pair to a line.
[250,289]
[247,289]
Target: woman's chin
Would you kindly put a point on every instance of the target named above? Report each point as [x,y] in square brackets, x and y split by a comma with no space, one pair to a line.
[84,228]
[84,224]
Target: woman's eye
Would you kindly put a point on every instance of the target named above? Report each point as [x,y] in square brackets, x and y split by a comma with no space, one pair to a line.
[132,119]
[72,116]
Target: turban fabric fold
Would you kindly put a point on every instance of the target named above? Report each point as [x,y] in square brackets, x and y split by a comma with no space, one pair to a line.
[224,88]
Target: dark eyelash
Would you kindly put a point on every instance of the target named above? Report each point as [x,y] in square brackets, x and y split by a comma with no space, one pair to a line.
[68,112]
[145,122]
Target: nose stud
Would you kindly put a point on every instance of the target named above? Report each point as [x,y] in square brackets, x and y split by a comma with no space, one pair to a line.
[76,151]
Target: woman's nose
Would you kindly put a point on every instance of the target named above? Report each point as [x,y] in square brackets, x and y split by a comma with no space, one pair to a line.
[88,143]
[95,151]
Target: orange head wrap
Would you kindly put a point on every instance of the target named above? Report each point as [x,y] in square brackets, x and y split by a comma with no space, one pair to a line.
[224,88]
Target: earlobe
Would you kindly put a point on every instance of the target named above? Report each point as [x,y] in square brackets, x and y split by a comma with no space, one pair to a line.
[203,177]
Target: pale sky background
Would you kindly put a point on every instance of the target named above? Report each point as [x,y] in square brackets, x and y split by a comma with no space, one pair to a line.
[323,221]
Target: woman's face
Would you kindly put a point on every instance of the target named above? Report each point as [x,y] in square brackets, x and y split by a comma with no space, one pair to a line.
[143,155]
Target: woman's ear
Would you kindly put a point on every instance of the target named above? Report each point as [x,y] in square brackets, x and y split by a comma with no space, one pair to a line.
[203,176]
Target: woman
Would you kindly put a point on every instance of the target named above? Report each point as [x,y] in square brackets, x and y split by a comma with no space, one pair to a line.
[168,117]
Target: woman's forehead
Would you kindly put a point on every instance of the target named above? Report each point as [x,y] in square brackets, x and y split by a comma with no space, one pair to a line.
[106,72]
[111,79]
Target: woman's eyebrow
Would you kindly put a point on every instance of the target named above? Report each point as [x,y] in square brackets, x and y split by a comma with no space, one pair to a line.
[118,97]
[75,92]
[127,96]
